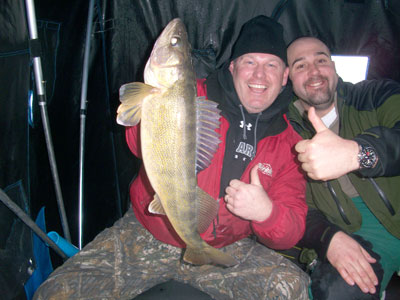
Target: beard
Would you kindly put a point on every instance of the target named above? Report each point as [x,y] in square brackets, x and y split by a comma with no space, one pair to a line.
[322,98]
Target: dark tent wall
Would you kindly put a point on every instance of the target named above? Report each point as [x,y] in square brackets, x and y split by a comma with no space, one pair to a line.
[15,245]
[123,34]
[352,27]
[349,27]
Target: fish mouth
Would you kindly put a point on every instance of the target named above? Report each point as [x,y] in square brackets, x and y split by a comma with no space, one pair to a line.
[257,88]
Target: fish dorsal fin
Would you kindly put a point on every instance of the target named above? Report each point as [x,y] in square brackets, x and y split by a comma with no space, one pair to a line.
[155,206]
[207,139]
[207,209]
[131,96]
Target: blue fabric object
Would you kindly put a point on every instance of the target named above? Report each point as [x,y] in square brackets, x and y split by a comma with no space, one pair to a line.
[42,259]
[65,246]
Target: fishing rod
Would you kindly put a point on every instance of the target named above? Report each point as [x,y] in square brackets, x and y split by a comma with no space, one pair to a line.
[83,116]
[35,51]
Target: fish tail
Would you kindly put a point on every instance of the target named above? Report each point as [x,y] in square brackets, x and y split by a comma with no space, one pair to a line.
[209,255]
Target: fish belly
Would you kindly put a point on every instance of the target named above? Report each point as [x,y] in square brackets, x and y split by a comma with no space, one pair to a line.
[168,137]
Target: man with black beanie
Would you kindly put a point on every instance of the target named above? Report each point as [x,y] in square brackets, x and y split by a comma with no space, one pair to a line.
[253,176]
[252,95]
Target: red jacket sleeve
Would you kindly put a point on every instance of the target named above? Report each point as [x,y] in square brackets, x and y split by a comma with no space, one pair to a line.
[286,224]
[132,135]
[201,87]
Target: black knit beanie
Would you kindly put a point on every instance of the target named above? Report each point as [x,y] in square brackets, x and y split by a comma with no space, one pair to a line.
[260,35]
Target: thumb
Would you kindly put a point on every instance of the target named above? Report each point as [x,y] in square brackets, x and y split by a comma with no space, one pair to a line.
[254,179]
[367,256]
[315,120]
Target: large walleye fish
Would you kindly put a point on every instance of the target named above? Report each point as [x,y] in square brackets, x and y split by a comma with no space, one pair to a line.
[178,139]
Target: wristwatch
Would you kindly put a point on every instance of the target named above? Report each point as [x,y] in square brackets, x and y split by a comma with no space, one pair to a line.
[367,157]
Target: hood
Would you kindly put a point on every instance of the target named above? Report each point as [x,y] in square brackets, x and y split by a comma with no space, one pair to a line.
[221,89]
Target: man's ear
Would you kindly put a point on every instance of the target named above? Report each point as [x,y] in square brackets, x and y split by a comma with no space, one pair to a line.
[334,65]
[285,76]
[231,66]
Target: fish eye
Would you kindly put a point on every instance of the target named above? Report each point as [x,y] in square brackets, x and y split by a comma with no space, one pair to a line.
[175,41]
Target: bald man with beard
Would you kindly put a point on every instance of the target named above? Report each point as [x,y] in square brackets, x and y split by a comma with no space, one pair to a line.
[351,156]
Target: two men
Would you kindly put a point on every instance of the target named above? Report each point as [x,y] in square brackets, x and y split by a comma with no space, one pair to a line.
[351,155]
[253,176]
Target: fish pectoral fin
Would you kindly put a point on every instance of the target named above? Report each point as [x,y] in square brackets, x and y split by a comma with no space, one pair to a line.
[131,96]
[207,139]
[208,209]
[155,206]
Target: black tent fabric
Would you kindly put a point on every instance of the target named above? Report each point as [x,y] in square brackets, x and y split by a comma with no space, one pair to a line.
[123,34]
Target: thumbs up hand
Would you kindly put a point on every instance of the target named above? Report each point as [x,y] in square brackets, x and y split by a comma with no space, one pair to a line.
[248,201]
[326,156]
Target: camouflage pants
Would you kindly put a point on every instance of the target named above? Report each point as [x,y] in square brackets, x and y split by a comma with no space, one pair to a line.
[125,260]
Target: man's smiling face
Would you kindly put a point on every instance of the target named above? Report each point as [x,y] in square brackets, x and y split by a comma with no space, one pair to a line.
[312,73]
[258,79]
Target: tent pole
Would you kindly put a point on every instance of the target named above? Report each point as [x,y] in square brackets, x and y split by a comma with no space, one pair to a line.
[83,117]
[35,50]
[31,224]
[101,12]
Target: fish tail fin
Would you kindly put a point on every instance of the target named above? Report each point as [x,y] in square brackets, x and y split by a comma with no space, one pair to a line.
[209,255]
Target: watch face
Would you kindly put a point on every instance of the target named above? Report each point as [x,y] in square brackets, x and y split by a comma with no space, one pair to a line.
[368,157]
